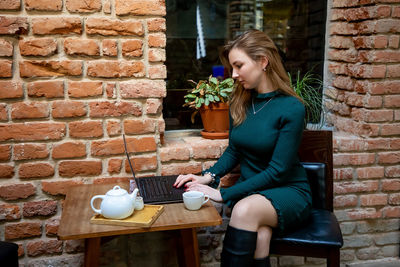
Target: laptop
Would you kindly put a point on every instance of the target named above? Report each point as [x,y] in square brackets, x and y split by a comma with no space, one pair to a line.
[156,189]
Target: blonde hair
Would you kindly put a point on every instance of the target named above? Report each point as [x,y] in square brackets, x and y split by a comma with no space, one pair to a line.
[256,44]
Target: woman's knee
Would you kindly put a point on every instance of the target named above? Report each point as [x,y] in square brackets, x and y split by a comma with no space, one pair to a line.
[264,234]
[241,211]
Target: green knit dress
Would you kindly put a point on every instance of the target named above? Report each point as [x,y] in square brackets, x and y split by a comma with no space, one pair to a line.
[266,145]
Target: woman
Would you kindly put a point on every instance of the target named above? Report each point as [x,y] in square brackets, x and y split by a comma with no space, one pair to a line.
[266,125]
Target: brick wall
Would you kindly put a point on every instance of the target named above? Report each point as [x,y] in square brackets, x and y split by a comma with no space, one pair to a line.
[73,76]
[364,62]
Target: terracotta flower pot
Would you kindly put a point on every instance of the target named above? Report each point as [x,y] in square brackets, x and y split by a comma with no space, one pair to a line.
[215,119]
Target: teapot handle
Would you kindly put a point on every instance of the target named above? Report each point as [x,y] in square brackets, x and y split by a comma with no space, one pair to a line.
[93,199]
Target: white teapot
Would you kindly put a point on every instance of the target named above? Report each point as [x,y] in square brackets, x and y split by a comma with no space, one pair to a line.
[116,204]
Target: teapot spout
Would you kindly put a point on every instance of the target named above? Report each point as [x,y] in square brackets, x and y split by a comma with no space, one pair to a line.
[134,194]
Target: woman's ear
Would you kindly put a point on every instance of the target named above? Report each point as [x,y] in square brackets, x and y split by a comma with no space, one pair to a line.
[264,63]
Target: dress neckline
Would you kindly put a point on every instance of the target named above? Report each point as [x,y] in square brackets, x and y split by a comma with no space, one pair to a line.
[266,95]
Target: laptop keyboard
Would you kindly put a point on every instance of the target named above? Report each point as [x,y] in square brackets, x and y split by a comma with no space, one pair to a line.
[159,189]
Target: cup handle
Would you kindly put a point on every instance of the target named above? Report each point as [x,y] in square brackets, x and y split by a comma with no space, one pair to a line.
[206,199]
[91,203]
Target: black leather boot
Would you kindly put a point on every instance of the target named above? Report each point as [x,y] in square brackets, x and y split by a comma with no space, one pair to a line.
[264,262]
[239,247]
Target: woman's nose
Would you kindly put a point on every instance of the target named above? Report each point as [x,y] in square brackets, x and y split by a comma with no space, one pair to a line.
[234,74]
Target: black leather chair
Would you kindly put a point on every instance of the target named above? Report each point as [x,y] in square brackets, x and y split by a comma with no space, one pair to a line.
[321,236]
[8,254]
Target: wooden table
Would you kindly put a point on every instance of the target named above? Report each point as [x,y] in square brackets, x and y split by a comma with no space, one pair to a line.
[75,224]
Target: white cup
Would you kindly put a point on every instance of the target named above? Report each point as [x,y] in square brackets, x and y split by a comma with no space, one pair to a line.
[193,200]
[139,205]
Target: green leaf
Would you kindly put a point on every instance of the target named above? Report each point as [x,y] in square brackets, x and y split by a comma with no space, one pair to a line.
[206,102]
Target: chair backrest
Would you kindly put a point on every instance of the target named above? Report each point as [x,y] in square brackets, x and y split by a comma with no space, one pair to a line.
[316,146]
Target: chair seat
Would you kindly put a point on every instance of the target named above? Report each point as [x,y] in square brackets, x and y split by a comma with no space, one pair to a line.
[321,230]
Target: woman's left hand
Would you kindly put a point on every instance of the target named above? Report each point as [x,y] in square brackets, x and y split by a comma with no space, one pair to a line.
[214,194]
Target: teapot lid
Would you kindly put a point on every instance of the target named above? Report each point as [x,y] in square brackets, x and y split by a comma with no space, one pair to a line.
[116,191]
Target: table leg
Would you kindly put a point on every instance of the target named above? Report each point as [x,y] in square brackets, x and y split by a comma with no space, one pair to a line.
[92,252]
[188,249]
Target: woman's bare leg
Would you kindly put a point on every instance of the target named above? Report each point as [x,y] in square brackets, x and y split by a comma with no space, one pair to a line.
[256,213]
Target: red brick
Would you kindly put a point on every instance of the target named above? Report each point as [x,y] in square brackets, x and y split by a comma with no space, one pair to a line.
[48,89]
[372,115]
[350,3]
[116,146]
[353,159]
[390,129]
[56,25]
[373,200]
[32,131]
[205,149]
[387,25]
[5,68]
[392,101]
[43,5]
[157,40]
[138,7]
[32,110]
[142,89]
[161,126]
[385,87]
[6,47]
[75,6]
[153,106]
[111,90]
[345,201]
[22,230]
[35,170]
[355,187]
[394,41]
[85,89]
[85,47]
[391,212]
[68,109]
[392,171]
[391,185]
[9,212]
[362,214]
[113,27]
[114,128]
[110,48]
[40,208]
[343,82]
[38,47]
[393,71]
[389,157]
[28,69]
[79,129]
[112,180]
[156,25]
[394,199]
[343,174]
[350,144]
[58,187]
[69,150]
[6,171]
[342,28]
[5,152]
[52,225]
[13,25]
[114,109]
[394,144]
[114,166]
[79,168]
[21,251]
[10,5]
[370,172]
[142,164]
[10,89]
[379,41]
[348,55]
[30,151]
[379,56]
[116,69]
[180,168]
[17,191]
[132,48]
[36,248]
[139,126]
[3,112]
[366,71]
[157,72]
[156,55]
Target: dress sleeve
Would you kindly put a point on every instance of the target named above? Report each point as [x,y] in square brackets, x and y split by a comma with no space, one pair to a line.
[283,157]
[229,159]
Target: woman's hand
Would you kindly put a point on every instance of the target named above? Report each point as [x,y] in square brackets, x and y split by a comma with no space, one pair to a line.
[214,194]
[190,179]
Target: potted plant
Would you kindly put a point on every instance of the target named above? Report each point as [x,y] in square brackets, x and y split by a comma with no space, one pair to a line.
[210,97]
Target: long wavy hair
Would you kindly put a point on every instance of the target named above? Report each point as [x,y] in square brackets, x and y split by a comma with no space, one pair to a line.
[256,44]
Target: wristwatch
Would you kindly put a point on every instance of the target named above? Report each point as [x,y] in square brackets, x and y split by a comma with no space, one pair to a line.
[212,176]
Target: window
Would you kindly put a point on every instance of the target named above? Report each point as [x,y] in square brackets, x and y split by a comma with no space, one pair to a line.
[197,29]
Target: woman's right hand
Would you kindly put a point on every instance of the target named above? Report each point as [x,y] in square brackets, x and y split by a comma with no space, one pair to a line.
[190,179]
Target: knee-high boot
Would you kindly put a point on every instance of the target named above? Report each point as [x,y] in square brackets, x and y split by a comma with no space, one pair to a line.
[264,262]
[239,247]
